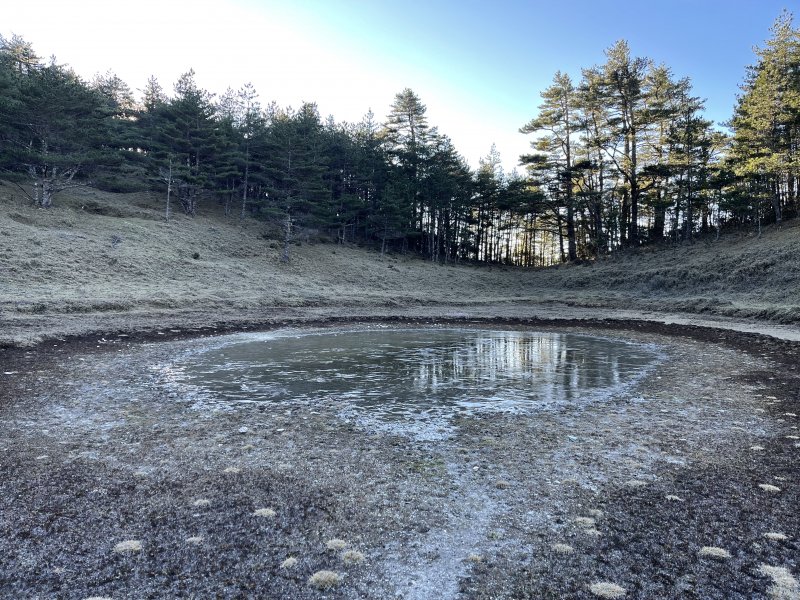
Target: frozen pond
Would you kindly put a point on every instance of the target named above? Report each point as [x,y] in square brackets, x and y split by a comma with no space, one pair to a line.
[415,378]
[629,451]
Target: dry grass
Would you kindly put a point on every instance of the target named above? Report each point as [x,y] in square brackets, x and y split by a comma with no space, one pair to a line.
[353,557]
[563,549]
[635,483]
[99,253]
[591,531]
[128,546]
[324,580]
[604,589]
[768,487]
[336,544]
[714,552]
[289,563]
[264,512]
[584,522]
[784,585]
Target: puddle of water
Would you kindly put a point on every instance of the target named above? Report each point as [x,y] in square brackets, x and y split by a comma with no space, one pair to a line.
[413,380]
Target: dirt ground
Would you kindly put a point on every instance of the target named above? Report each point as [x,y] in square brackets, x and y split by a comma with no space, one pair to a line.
[116,486]
[100,448]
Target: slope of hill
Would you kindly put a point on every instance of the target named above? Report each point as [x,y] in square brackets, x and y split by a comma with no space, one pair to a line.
[97,260]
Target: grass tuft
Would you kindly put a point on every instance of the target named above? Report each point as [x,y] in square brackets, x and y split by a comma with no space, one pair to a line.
[768,487]
[324,580]
[635,483]
[714,552]
[353,557]
[336,544]
[784,585]
[584,522]
[593,532]
[604,589]
[128,546]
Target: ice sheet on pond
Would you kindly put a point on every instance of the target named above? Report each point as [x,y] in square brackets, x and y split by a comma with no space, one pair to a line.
[413,380]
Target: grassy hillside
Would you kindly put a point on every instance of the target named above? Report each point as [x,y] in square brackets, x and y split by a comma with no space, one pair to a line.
[96,252]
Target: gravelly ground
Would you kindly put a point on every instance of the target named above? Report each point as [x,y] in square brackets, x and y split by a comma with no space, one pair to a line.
[98,447]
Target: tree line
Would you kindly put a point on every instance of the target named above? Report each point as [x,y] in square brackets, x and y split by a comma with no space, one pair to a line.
[620,158]
[626,157]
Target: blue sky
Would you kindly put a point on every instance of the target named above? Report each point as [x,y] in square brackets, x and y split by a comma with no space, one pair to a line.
[479,66]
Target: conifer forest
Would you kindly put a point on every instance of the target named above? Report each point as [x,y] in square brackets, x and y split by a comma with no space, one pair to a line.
[621,156]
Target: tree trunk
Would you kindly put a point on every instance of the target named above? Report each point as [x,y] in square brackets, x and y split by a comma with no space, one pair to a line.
[633,235]
[47,196]
[571,245]
[169,190]
[287,237]
[776,204]
[245,184]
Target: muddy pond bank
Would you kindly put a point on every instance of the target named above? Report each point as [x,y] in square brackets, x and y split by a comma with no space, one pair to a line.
[100,449]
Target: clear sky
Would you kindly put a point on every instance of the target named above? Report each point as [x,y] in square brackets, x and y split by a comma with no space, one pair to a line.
[479,66]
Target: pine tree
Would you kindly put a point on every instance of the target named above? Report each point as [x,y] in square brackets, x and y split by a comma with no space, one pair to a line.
[58,131]
[691,143]
[186,141]
[766,122]
[624,78]
[298,195]
[407,137]
[558,118]
[593,163]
